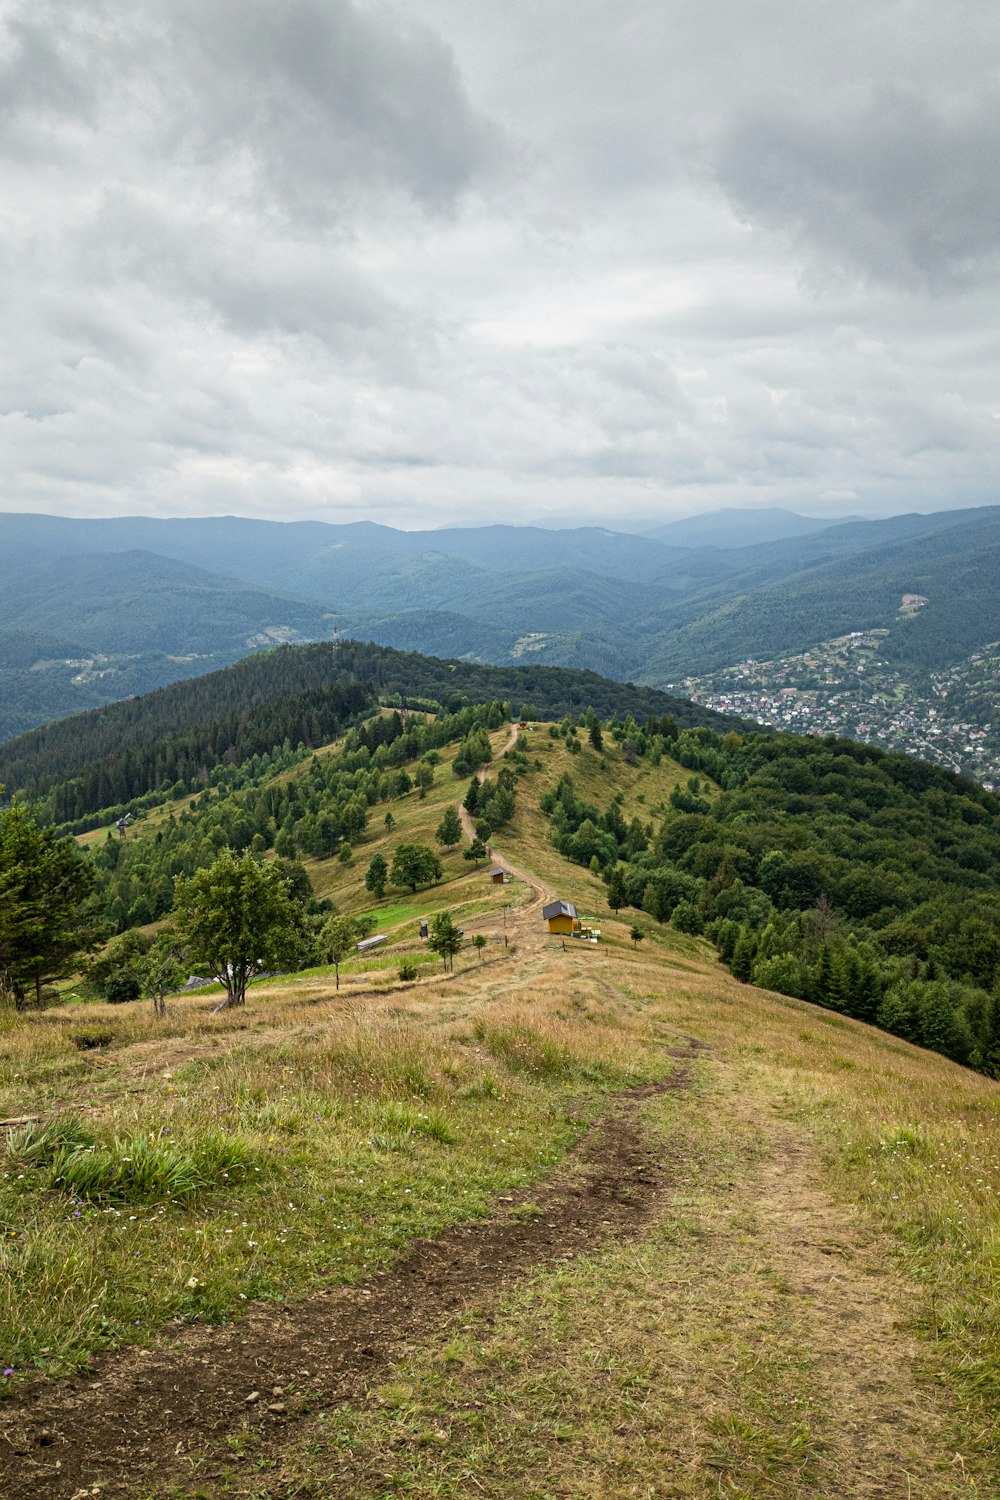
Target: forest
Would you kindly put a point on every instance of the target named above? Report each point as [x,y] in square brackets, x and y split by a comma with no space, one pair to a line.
[323,811]
[857,879]
[303,694]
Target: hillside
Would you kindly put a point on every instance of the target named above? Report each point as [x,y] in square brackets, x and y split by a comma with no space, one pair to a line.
[572,1220]
[139,600]
[126,750]
[79,631]
[954,568]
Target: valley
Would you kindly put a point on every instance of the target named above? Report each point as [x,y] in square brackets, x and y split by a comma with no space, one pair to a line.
[149,601]
[950,717]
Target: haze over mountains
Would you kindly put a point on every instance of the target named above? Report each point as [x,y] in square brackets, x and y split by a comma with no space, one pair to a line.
[742,528]
[94,610]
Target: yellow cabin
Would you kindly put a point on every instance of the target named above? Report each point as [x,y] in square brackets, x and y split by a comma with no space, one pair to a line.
[561,917]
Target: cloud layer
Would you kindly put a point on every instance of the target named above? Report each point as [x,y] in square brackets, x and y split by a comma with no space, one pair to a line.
[437,262]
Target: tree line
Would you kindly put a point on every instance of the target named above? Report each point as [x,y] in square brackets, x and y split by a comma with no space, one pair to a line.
[836,872]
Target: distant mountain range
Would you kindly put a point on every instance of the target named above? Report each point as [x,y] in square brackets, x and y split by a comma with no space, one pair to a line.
[96,610]
[741,528]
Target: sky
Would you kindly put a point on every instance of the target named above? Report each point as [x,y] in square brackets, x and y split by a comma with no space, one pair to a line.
[450,263]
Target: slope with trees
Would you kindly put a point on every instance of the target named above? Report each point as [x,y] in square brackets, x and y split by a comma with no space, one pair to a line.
[838,873]
[294,694]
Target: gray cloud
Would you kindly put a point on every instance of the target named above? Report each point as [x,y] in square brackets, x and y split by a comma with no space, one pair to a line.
[439,262]
[883,183]
[293,102]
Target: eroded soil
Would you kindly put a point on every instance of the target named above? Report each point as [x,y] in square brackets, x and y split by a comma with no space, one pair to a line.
[142,1415]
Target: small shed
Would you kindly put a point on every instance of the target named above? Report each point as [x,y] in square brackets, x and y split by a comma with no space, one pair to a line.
[367,944]
[496,875]
[561,916]
[424,929]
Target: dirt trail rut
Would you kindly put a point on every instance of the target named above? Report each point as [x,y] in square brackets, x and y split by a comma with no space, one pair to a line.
[142,1415]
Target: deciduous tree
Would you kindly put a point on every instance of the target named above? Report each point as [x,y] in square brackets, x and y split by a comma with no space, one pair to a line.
[413,865]
[376,876]
[338,936]
[445,939]
[238,917]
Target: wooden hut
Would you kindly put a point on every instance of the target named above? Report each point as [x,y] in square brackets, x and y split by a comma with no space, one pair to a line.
[496,875]
[560,916]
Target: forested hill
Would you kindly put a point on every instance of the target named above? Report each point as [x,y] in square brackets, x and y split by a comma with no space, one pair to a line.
[305,694]
[861,880]
[91,611]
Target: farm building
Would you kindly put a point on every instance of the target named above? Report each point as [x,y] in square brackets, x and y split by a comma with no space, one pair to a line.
[367,944]
[561,916]
[496,875]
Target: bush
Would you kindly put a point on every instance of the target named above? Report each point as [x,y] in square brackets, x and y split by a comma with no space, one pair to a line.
[121,986]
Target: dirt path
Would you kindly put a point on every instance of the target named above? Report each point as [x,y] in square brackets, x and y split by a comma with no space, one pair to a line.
[525,920]
[144,1415]
[853,1314]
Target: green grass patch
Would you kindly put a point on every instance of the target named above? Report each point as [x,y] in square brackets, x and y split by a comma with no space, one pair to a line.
[257,1172]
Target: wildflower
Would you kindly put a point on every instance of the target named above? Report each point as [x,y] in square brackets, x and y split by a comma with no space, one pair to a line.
[193,1281]
[9,1370]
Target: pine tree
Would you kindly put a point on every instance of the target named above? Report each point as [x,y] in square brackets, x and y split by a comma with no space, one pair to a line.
[743,957]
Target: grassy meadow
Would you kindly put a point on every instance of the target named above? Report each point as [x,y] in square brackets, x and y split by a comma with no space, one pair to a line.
[815,1311]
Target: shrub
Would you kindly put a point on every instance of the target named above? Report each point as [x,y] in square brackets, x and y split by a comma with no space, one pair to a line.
[91,1037]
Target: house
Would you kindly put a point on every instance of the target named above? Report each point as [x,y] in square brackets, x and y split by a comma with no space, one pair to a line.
[561,916]
[496,875]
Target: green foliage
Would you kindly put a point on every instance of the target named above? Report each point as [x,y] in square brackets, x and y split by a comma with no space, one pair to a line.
[337,938]
[449,830]
[838,873]
[141,1169]
[185,733]
[476,852]
[376,876]
[415,865]
[445,939]
[47,916]
[238,917]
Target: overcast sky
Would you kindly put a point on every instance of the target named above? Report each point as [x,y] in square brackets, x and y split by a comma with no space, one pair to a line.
[557,261]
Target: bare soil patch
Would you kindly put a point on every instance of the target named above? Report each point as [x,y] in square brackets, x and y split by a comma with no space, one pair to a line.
[142,1416]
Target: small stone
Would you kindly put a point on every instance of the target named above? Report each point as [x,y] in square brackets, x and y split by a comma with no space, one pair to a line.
[277,1390]
[277,1407]
[253,1396]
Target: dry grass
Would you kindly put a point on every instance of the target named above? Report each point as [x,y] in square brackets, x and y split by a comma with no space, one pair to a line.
[820,1299]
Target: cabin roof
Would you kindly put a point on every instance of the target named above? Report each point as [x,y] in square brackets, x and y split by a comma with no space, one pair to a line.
[372,942]
[559,909]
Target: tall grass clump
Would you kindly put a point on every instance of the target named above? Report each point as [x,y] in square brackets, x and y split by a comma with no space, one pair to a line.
[62,1156]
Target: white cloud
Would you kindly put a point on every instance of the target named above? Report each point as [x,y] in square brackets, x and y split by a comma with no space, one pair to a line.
[432,263]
